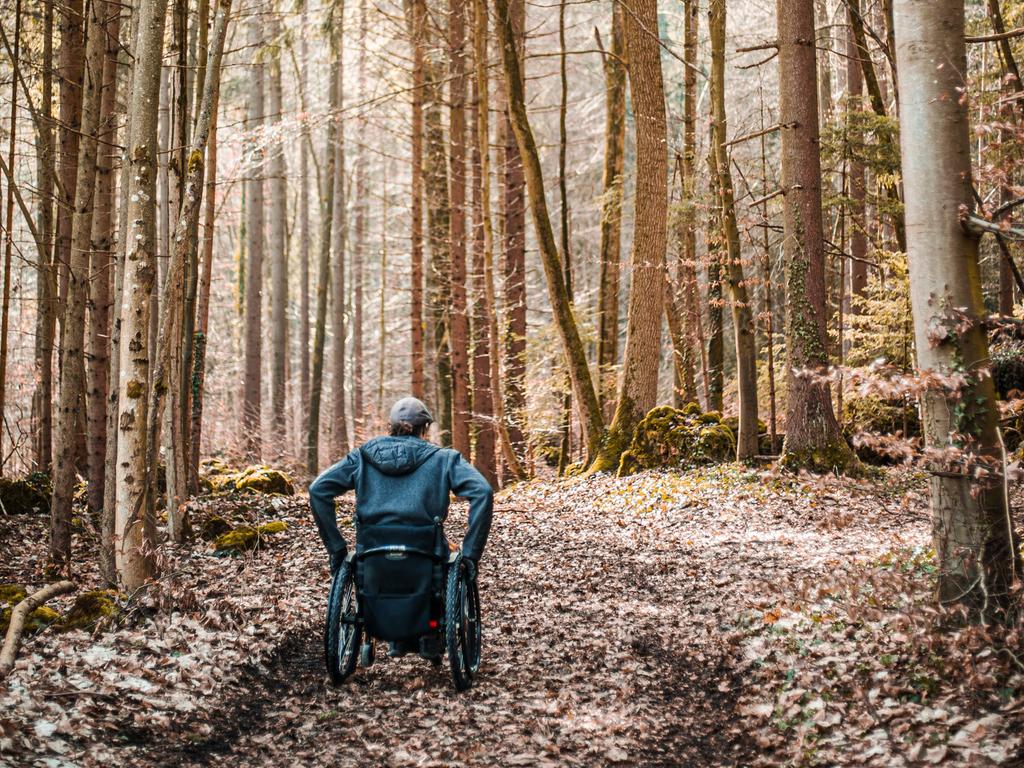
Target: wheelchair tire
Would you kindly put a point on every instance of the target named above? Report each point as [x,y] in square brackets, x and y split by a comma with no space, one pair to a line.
[344,627]
[462,625]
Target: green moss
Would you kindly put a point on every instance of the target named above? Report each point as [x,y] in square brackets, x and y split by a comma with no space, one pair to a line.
[245,537]
[38,620]
[25,495]
[134,388]
[277,526]
[242,538]
[667,437]
[12,594]
[822,459]
[89,608]
[255,479]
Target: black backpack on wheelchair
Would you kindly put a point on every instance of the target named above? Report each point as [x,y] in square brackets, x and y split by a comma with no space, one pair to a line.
[402,584]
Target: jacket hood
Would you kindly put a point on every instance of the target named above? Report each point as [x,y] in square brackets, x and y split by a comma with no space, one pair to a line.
[397,455]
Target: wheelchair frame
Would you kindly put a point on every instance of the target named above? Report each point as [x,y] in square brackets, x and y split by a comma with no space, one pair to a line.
[458,624]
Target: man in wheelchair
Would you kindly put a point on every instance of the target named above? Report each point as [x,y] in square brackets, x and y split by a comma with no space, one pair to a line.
[403,488]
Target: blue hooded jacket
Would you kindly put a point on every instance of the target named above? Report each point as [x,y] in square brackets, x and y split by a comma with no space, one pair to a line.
[403,480]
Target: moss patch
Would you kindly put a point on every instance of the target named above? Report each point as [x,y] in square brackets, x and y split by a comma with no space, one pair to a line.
[12,594]
[39,619]
[255,479]
[245,537]
[671,437]
[89,608]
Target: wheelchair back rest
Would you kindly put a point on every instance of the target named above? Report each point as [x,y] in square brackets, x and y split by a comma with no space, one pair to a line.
[399,578]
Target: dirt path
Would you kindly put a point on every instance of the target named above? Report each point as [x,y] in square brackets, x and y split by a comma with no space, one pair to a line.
[595,653]
[611,616]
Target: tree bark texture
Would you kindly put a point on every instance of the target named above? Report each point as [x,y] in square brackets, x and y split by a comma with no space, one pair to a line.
[813,440]
[972,529]
[572,345]
[611,213]
[251,411]
[638,381]
[134,526]
[742,314]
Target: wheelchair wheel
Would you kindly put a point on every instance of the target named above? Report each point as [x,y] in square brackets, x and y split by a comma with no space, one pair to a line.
[344,628]
[462,625]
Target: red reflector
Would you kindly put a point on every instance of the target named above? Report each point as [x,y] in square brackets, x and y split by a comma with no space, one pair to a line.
[432,624]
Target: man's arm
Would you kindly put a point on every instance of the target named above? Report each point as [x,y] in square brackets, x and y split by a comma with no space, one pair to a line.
[469,484]
[322,492]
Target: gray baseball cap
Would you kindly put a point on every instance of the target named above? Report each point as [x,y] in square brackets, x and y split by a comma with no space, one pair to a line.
[409,410]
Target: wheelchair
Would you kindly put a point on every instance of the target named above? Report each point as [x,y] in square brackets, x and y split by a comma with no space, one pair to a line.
[403,584]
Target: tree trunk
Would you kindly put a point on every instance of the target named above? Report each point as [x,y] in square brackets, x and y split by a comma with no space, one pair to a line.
[102,243]
[483,146]
[813,440]
[323,282]
[688,220]
[359,252]
[9,221]
[435,175]
[972,529]
[742,315]
[201,337]
[304,234]
[339,422]
[278,254]
[514,273]
[457,233]
[572,345]
[611,213]
[483,406]
[251,417]
[638,382]
[72,374]
[565,446]
[415,16]
[107,555]
[170,322]
[69,131]
[858,212]
[134,526]
[42,399]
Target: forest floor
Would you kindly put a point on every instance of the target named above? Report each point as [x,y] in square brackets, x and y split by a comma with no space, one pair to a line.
[719,617]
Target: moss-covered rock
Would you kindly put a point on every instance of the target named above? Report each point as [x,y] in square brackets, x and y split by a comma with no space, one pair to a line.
[245,537]
[25,495]
[89,608]
[670,437]
[255,479]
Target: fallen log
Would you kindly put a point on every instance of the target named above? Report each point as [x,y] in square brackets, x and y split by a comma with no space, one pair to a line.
[18,616]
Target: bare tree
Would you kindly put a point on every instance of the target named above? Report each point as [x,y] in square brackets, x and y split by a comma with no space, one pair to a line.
[134,527]
[611,212]
[250,422]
